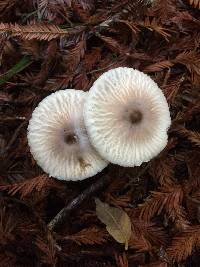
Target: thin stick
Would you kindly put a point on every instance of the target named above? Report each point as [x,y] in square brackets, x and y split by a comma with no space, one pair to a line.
[63,214]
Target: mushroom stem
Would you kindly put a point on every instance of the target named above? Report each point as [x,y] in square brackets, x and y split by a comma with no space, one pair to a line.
[135,116]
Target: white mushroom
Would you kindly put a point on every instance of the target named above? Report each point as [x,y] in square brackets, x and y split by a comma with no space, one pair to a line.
[58,140]
[127,117]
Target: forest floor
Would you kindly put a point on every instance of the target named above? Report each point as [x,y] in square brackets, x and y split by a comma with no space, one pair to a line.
[49,45]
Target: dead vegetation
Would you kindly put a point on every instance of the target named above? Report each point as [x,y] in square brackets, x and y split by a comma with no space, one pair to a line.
[50,45]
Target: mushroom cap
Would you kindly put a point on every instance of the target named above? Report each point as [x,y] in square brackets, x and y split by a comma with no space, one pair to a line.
[58,140]
[126,117]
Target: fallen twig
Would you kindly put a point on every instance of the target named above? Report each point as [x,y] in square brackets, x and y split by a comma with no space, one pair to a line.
[63,214]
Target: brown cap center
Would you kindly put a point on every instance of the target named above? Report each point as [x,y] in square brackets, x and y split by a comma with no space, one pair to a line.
[135,116]
[70,138]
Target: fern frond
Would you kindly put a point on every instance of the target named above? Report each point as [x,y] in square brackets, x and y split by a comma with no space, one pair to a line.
[119,201]
[193,183]
[156,26]
[155,235]
[48,249]
[28,186]
[49,9]
[164,10]
[86,4]
[162,171]
[4,27]
[192,109]
[131,25]
[169,200]
[111,43]
[141,244]
[159,66]
[135,9]
[192,136]
[88,236]
[183,244]
[7,226]
[171,90]
[71,58]
[155,264]
[190,59]
[6,5]
[7,259]
[194,3]
[81,81]
[121,260]
[36,31]
[91,59]
[58,82]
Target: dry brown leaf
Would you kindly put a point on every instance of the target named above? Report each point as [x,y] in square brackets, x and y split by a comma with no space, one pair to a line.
[117,222]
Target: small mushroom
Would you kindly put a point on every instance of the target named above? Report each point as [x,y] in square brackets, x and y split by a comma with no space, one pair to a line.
[127,117]
[58,140]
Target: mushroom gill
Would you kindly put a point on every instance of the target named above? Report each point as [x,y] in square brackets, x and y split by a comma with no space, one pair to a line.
[127,117]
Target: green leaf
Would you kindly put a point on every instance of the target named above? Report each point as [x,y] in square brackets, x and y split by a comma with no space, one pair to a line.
[117,222]
[21,65]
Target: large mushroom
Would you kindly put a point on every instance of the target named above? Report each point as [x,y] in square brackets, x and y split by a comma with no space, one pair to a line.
[58,140]
[127,117]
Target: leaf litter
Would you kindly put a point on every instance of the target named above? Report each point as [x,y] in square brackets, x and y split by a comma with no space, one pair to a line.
[46,46]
